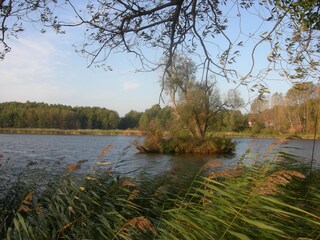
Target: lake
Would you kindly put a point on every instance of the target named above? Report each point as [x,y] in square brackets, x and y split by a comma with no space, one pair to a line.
[39,158]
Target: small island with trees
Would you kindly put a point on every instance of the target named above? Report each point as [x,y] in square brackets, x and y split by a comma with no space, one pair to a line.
[197,120]
[196,44]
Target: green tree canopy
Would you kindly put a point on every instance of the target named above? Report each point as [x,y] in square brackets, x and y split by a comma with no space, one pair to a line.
[42,115]
[194,102]
[130,120]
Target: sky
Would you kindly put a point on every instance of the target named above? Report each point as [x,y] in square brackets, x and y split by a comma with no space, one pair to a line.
[46,68]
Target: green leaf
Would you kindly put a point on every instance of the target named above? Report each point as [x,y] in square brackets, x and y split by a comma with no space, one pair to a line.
[261,225]
[17,227]
[273,200]
[23,223]
[239,235]
[9,233]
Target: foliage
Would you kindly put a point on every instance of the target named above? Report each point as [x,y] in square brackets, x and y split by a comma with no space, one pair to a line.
[302,45]
[130,120]
[238,208]
[229,121]
[42,115]
[215,32]
[294,113]
[156,118]
[181,142]
[262,201]
[194,103]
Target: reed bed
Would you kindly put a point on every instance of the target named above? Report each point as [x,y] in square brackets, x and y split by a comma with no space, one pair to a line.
[53,131]
[263,200]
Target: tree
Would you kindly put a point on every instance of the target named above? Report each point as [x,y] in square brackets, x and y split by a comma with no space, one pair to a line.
[194,103]
[130,120]
[198,106]
[236,121]
[258,118]
[41,115]
[178,79]
[213,31]
[299,106]
[259,105]
[234,100]
[296,112]
[279,112]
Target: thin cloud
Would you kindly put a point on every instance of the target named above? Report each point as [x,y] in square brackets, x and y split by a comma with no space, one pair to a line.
[28,70]
[130,85]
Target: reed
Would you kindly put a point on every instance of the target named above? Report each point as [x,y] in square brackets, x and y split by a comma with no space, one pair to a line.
[261,201]
[53,131]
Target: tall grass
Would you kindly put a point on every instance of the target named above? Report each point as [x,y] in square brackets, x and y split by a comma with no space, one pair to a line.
[260,201]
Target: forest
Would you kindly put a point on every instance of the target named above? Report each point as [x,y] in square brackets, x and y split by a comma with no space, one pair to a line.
[42,115]
[266,193]
[294,112]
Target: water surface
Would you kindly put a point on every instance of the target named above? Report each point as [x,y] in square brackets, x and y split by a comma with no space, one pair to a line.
[39,158]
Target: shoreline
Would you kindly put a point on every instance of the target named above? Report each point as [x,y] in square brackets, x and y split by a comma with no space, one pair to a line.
[266,135]
[54,131]
[132,132]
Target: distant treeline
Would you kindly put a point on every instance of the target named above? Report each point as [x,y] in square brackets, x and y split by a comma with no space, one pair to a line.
[42,115]
[296,112]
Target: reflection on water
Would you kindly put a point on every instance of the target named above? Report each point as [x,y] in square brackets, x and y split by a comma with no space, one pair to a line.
[40,158]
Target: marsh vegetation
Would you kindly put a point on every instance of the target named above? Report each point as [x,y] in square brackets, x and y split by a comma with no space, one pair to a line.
[266,199]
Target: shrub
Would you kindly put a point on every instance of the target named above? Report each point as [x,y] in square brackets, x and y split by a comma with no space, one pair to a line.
[186,144]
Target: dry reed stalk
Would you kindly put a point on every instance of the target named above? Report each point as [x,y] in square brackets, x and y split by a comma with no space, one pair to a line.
[71,167]
[103,163]
[126,182]
[162,189]
[211,164]
[251,145]
[271,147]
[104,151]
[140,223]
[225,174]
[26,203]
[90,178]
[24,208]
[133,195]
[70,209]
[39,210]
[28,198]
[270,185]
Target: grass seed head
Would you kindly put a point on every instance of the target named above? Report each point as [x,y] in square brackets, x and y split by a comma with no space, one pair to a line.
[142,224]
[270,185]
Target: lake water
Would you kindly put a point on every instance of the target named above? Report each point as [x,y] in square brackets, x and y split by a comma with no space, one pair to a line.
[39,158]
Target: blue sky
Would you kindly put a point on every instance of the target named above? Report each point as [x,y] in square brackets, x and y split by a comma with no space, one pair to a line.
[45,68]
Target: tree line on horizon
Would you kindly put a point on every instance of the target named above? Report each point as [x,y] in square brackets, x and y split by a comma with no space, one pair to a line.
[43,115]
[294,112]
